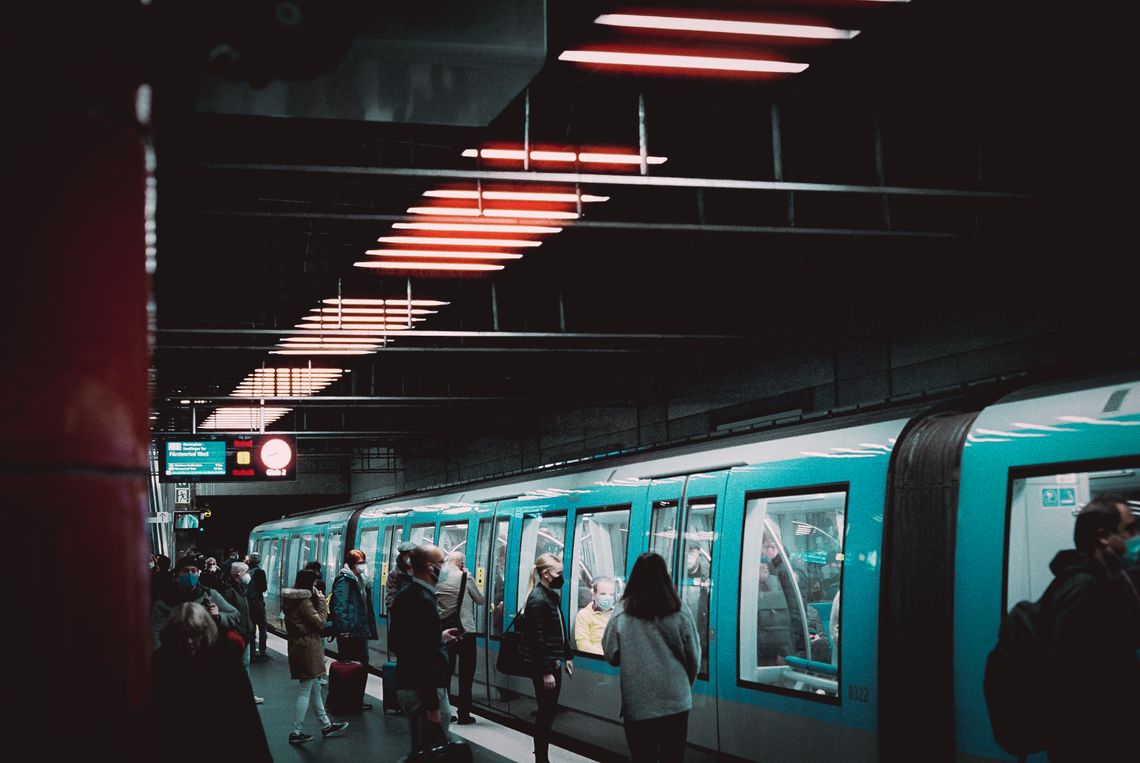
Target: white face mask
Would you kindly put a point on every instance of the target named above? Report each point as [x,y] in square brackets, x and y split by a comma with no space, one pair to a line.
[245,578]
[361,570]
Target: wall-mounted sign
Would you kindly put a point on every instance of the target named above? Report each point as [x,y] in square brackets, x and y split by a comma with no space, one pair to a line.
[259,457]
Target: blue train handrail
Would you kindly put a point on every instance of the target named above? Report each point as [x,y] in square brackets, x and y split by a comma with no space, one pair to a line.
[811,666]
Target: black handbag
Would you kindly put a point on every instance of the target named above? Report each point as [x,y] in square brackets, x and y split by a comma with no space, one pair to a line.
[512,660]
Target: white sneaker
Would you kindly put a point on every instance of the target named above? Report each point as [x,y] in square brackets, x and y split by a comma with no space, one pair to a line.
[258,700]
[323,680]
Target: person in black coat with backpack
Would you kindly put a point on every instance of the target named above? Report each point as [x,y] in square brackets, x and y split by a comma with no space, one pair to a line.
[547,646]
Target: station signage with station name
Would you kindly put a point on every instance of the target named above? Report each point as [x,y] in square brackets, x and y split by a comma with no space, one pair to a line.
[261,457]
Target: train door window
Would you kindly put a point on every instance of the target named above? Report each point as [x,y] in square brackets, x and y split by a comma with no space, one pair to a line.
[540,535]
[663,531]
[271,563]
[453,537]
[387,560]
[696,572]
[790,592]
[292,562]
[334,555]
[1043,512]
[368,541]
[422,534]
[308,549]
[601,538]
[477,566]
[318,544]
[498,577]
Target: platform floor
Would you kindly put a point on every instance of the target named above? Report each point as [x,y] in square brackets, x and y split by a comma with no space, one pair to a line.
[371,736]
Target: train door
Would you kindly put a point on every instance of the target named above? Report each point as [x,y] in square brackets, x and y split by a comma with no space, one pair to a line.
[493,553]
[334,553]
[477,557]
[391,530]
[271,561]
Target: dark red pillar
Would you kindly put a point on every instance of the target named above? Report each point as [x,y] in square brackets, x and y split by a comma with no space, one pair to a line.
[73,431]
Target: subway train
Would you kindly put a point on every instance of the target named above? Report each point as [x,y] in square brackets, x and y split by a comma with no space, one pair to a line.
[847,574]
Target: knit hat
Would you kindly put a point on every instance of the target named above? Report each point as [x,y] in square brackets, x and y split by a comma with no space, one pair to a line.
[186,561]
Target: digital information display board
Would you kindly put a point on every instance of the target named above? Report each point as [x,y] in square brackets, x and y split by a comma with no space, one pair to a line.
[261,457]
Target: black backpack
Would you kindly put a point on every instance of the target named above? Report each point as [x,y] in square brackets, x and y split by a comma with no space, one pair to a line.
[1016,683]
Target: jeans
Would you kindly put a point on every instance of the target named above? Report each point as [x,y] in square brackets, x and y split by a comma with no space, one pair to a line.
[544,720]
[310,689]
[257,615]
[424,733]
[245,657]
[464,650]
[658,739]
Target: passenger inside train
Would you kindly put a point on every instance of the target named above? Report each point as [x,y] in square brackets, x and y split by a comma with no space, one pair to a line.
[590,623]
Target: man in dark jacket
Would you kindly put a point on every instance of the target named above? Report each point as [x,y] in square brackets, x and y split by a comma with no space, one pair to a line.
[418,639]
[187,588]
[1093,666]
[234,592]
[255,595]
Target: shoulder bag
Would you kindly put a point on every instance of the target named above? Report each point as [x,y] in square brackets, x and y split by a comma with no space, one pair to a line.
[512,660]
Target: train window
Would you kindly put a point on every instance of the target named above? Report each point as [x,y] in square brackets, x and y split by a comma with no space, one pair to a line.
[387,560]
[540,535]
[453,537]
[696,570]
[663,531]
[318,545]
[600,541]
[368,540]
[1043,512]
[308,549]
[422,534]
[271,564]
[292,562]
[498,577]
[477,566]
[334,554]
[789,592]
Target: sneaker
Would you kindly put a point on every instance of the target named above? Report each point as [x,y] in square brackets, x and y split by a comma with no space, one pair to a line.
[323,680]
[332,728]
[258,700]
[466,720]
[295,738]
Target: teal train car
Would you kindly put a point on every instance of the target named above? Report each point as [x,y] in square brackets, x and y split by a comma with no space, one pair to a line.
[847,574]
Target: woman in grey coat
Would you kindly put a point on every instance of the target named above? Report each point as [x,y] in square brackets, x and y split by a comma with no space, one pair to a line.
[654,640]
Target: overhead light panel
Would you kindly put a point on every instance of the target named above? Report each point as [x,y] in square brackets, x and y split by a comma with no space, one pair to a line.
[540,214]
[448,241]
[431,253]
[476,227]
[585,157]
[696,63]
[379,302]
[571,198]
[724,26]
[398,265]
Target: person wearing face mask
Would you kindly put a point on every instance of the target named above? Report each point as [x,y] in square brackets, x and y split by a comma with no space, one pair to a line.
[352,611]
[546,646]
[212,575]
[590,622]
[1093,665]
[187,588]
[233,591]
[193,670]
[420,641]
[457,596]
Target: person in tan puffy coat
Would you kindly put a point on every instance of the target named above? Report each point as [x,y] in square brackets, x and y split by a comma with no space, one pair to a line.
[305,614]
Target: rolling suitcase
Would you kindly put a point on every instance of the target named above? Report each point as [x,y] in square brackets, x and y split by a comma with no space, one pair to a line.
[346,686]
[388,677]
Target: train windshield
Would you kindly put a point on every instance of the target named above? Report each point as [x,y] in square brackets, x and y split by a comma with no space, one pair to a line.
[1042,515]
[790,592]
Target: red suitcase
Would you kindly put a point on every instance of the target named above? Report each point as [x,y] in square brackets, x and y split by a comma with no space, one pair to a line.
[346,687]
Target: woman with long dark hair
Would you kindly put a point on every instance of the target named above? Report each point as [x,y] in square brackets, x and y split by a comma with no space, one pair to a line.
[654,640]
[305,614]
[547,646]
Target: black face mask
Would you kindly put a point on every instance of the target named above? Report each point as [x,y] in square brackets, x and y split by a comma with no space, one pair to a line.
[434,572]
[557,581]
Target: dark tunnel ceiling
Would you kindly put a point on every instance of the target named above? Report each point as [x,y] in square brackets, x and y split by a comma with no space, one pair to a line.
[255,229]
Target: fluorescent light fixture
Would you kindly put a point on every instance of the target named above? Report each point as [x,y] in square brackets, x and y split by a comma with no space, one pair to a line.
[473,212]
[448,241]
[373,312]
[516,196]
[662,61]
[416,265]
[476,227]
[330,329]
[321,351]
[378,302]
[718,26]
[324,319]
[443,254]
[587,157]
[328,340]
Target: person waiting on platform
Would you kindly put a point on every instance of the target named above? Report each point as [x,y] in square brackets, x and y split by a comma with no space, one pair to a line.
[590,622]
[195,672]
[187,588]
[255,594]
[459,612]
[234,593]
[305,614]
[654,640]
[400,574]
[352,613]
[546,646]
[419,641]
[316,567]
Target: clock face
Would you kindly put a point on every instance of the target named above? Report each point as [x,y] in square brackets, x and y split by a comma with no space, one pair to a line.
[276,454]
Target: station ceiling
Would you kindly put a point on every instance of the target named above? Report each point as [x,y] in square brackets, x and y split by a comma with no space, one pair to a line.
[752,214]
